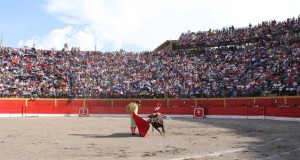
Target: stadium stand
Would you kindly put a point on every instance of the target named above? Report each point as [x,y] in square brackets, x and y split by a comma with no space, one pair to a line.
[254,61]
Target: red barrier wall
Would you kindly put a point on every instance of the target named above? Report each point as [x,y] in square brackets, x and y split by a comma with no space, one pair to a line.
[253,111]
[12,106]
[214,102]
[40,106]
[237,111]
[98,103]
[267,106]
[283,112]
[152,103]
[239,102]
[182,103]
[270,102]
[63,106]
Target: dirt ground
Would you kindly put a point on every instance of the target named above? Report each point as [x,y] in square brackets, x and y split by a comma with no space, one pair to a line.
[109,138]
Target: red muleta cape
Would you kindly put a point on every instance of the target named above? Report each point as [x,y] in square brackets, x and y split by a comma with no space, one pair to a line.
[142,125]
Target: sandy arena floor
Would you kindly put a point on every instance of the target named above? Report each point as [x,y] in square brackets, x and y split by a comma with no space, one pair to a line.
[91,138]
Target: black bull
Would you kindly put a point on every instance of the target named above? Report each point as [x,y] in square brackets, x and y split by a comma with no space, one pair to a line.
[156,120]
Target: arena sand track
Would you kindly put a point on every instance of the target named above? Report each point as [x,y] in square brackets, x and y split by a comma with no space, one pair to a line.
[91,138]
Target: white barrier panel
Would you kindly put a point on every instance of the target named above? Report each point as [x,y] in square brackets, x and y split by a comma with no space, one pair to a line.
[198,113]
[83,112]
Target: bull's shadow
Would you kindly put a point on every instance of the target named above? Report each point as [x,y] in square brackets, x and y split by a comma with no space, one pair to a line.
[114,135]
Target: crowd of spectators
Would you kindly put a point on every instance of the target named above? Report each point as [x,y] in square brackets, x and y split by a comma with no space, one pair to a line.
[266,31]
[260,60]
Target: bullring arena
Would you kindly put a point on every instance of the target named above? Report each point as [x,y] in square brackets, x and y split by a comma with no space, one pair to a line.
[81,138]
[229,94]
[59,130]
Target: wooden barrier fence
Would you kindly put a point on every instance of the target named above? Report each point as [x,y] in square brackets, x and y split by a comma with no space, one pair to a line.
[262,106]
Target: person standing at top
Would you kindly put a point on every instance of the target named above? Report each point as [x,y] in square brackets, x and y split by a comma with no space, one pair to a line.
[133,107]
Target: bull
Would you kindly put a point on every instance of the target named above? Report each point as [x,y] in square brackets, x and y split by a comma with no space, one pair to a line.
[156,120]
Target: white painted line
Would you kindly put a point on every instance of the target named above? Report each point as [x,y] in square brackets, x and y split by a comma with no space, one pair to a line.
[216,154]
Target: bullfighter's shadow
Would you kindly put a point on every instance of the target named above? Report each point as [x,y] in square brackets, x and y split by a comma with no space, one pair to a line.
[114,135]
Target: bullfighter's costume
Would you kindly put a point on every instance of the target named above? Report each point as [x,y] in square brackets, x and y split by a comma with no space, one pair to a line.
[132,107]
